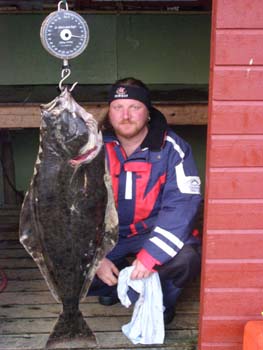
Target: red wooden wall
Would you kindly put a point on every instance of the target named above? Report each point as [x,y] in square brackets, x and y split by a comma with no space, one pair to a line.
[232,275]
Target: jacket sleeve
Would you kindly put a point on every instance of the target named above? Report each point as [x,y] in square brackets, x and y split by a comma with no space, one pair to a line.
[180,202]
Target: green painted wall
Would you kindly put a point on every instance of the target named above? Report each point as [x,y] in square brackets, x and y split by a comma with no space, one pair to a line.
[164,49]
[170,48]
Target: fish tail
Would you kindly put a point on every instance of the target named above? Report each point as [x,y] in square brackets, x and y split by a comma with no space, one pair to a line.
[71,331]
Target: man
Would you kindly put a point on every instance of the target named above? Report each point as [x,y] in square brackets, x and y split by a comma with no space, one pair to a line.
[157,194]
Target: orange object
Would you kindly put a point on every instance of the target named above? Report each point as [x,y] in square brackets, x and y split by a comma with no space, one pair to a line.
[253,336]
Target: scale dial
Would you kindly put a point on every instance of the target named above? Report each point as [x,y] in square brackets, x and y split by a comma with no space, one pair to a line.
[64,34]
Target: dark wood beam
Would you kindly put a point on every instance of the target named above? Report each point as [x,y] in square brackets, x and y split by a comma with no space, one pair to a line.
[100,5]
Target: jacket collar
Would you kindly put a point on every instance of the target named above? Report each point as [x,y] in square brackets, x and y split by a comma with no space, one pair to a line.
[157,129]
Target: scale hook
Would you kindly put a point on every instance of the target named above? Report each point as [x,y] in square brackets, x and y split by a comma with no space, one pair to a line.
[64,75]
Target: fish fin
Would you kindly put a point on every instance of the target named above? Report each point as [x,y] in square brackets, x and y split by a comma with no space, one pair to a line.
[32,243]
[111,220]
[71,331]
[110,236]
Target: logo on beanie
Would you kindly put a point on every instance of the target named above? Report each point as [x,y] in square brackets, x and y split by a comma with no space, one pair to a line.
[121,92]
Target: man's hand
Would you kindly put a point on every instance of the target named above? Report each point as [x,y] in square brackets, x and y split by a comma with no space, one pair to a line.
[139,271]
[108,272]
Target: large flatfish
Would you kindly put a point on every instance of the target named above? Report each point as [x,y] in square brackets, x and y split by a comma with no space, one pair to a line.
[68,220]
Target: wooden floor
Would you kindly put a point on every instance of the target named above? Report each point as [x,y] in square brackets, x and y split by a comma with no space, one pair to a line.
[28,310]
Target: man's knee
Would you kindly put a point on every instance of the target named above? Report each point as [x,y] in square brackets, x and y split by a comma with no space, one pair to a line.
[184,267]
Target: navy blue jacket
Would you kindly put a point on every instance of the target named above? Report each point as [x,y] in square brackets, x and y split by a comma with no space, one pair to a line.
[156,191]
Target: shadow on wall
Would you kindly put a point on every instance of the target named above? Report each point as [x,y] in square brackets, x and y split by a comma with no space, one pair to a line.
[18,150]
[9,194]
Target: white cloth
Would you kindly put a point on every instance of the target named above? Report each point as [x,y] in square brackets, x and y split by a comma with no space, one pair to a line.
[146,325]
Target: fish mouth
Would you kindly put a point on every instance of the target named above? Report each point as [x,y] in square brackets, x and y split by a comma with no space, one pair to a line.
[89,151]
[84,158]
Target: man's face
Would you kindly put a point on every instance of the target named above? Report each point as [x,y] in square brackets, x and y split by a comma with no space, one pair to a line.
[128,117]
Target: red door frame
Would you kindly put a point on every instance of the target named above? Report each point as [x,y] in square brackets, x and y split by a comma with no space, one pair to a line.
[232,266]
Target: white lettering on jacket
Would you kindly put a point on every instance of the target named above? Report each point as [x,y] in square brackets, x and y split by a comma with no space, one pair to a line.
[187,184]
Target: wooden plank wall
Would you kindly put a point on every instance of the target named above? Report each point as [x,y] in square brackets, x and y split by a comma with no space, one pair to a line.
[28,116]
[232,281]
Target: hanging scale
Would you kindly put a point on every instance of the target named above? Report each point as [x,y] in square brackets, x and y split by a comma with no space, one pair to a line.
[65,35]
